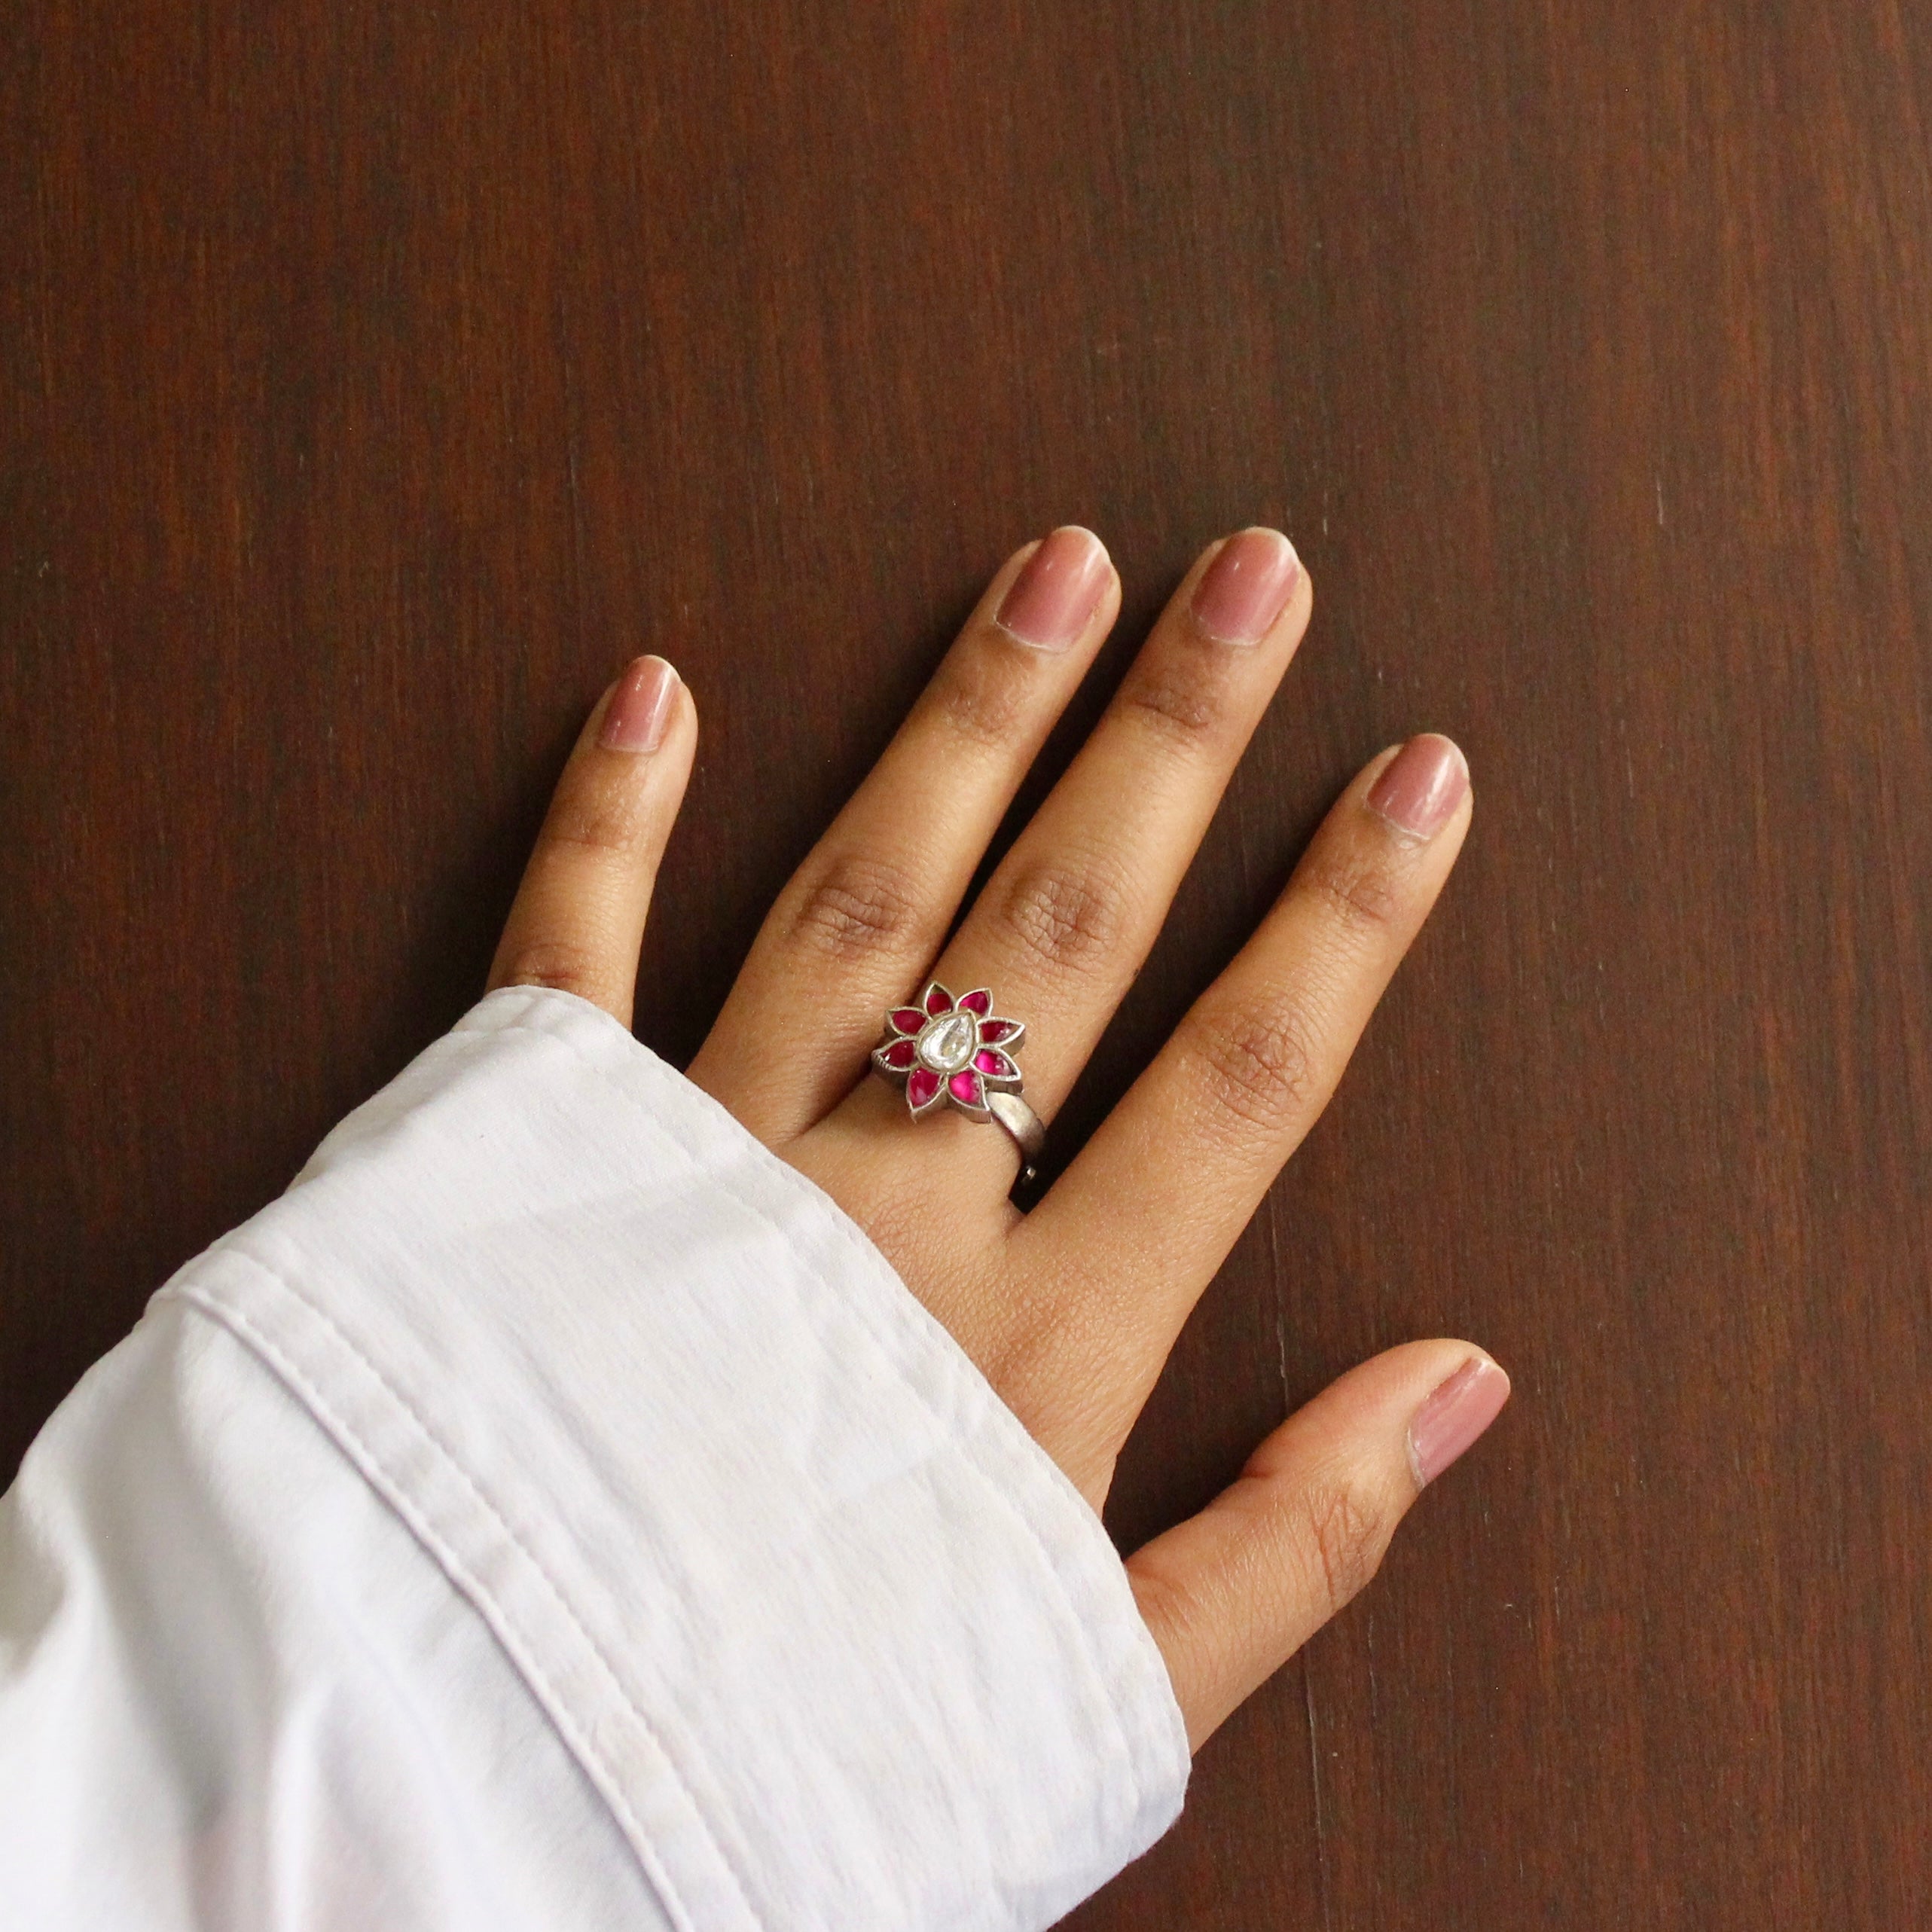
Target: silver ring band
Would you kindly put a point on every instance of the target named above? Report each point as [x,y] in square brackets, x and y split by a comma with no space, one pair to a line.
[1028,1129]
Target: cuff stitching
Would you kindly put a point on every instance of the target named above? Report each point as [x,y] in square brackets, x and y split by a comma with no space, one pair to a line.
[557,1706]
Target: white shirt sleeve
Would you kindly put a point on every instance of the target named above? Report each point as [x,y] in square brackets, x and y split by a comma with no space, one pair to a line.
[553,1511]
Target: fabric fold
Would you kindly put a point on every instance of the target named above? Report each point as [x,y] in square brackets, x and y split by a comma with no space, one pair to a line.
[833,1640]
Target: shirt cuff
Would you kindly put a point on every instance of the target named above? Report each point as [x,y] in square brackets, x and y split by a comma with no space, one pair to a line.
[836,1642]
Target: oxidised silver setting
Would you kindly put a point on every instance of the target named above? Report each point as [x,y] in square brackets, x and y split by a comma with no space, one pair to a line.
[959,1054]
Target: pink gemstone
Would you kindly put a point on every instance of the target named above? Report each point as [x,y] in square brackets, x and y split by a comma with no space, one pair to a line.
[921,1088]
[966,1087]
[938,1000]
[901,1053]
[996,1064]
[907,1020]
[996,1030]
[980,1003]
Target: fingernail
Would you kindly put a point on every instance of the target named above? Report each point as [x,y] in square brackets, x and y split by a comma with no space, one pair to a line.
[1454,1416]
[1421,785]
[1049,603]
[640,707]
[1246,587]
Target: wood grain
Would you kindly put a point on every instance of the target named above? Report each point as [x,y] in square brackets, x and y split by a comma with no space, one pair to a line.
[374,380]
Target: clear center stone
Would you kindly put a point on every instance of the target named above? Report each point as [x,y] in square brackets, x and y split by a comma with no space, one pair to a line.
[948,1043]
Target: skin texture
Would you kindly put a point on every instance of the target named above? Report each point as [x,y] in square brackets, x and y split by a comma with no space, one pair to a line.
[1070,1311]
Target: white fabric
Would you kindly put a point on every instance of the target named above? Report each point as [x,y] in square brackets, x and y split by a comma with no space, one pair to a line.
[553,1511]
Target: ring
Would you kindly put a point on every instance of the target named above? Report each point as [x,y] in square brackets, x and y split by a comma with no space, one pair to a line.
[959,1053]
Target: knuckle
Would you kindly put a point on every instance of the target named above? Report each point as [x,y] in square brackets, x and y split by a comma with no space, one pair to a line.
[1361,894]
[1068,916]
[1345,1536]
[980,703]
[1168,1605]
[556,963]
[595,819]
[858,906]
[1261,1068]
[1182,699]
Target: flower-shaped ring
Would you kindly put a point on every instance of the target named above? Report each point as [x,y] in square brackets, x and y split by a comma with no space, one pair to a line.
[959,1053]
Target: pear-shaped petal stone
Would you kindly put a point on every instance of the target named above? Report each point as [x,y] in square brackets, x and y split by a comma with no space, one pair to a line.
[948,1044]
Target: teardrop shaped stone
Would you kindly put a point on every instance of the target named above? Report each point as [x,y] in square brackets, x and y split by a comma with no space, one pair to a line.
[946,1044]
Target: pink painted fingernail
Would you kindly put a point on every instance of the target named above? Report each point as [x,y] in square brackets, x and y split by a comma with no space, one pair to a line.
[640,707]
[1246,587]
[1050,603]
[1459,1410]
[1421,785]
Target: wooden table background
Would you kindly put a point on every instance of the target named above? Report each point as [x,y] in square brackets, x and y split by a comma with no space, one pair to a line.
[375,380]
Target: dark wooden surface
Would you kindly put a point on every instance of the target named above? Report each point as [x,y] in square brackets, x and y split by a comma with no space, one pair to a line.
[374,379]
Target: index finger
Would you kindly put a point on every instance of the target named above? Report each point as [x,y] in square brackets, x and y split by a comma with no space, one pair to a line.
[1141,1221]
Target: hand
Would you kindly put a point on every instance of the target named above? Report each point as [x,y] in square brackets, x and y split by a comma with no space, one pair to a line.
[1070,1311]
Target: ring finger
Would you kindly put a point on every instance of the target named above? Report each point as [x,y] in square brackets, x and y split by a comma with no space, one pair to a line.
[868,908]
[1069,914]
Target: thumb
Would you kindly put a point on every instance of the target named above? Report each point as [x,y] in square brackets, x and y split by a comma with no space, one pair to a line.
[1234,1592]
